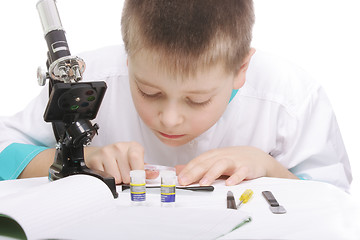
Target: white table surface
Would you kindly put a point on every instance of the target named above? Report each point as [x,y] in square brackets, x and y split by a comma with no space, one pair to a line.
[315,210]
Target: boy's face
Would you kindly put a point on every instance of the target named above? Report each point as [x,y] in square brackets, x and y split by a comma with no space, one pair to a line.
[178,110]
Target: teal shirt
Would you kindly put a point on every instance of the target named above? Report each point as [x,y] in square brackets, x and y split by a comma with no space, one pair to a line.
[15,157]
[233,93]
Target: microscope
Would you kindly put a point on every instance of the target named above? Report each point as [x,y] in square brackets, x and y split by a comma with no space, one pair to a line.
[72,104]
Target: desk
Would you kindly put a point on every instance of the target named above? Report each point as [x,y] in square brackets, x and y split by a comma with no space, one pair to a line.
[315,210]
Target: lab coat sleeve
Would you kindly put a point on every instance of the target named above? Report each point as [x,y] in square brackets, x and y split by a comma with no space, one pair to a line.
[23,136]
[312,144]
[15,157]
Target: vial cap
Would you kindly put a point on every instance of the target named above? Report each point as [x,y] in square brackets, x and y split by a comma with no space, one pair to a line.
[137,173]
[167,173]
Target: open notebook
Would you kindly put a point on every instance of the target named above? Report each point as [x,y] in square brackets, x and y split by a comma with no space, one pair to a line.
[82,207]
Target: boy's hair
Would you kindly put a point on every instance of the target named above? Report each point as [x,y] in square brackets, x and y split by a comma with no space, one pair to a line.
[184,36]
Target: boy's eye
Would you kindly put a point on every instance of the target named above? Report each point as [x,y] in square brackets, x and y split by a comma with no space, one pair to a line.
[196,103]
[148,95]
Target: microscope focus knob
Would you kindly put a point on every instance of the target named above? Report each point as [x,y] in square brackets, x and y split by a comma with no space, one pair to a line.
[41,76]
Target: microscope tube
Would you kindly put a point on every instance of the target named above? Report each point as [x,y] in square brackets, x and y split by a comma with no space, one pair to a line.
[168,184]
[137,187]
[49,15]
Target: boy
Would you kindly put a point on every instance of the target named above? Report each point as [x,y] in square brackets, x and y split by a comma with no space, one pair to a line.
[185,61]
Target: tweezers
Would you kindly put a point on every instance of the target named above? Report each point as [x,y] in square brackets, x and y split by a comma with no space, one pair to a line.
[194,188]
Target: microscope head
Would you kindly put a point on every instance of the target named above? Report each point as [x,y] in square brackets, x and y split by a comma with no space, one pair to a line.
[61,65]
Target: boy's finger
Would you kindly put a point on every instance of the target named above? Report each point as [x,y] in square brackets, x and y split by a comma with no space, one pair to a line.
[124,169]
[95,164]
[179,168]
[214,172]
[136,160]
[192,175]
[182,169]
[111,167]
[237,177]
[135,156]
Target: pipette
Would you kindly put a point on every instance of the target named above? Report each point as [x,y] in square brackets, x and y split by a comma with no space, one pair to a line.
[245,197]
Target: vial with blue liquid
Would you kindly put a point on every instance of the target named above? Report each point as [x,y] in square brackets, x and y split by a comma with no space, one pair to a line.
[168,186]
[138,187]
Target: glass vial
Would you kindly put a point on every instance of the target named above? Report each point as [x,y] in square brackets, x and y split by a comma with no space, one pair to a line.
[168,185]
[137,187]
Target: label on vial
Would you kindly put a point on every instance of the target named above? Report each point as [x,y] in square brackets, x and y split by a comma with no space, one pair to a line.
[167,193]
[138,192]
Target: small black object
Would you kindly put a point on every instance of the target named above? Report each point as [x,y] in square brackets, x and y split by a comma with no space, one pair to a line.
[193,188]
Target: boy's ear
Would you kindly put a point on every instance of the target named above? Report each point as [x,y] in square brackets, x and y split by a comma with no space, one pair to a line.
[240,77]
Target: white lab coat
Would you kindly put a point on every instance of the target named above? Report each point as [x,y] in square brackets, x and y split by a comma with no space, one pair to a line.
[280,110]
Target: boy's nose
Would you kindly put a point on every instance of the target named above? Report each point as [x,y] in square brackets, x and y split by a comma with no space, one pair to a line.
[170,117]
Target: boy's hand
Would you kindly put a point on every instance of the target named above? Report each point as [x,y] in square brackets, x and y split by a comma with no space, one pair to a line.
[116,159]
[239,163]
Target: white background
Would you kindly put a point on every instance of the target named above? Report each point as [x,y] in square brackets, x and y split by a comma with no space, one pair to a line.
[321,36]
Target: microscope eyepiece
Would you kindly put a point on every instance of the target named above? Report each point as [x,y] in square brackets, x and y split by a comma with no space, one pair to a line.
[62,66]
[49,16]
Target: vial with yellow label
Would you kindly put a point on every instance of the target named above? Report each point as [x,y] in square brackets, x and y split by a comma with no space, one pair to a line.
[168,185]
[137,187]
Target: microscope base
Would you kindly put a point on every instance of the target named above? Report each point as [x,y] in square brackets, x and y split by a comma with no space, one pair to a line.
[56,172]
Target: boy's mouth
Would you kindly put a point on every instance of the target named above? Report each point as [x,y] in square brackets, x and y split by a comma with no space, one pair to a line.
[171,136]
